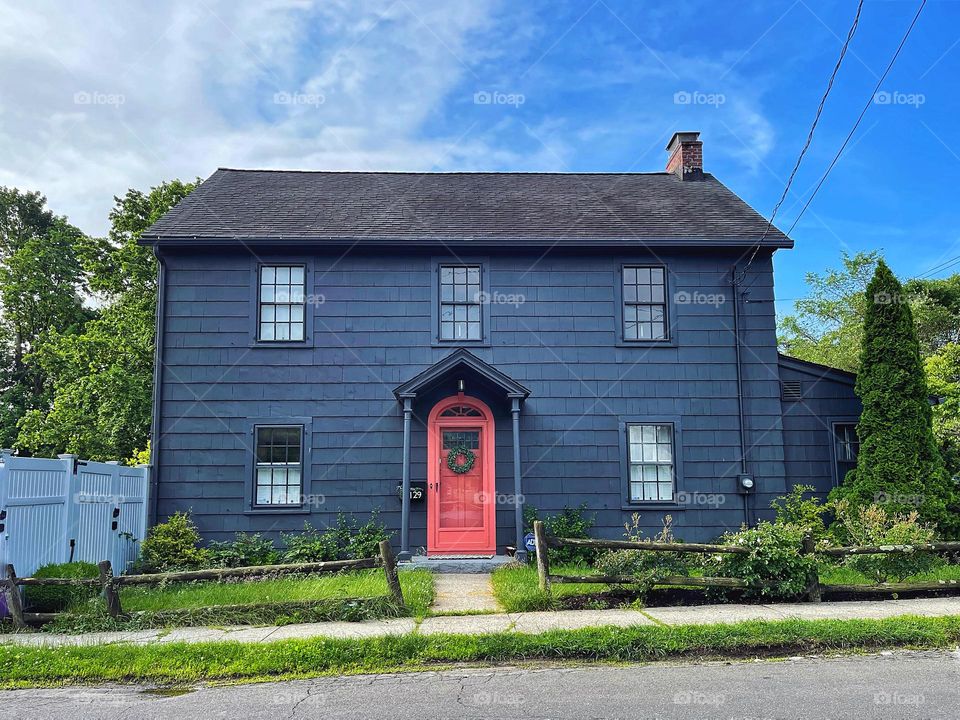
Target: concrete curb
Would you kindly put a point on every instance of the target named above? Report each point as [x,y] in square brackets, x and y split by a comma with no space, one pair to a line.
[533,622]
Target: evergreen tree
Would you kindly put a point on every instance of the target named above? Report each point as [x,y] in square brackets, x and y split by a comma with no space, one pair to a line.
[899,464]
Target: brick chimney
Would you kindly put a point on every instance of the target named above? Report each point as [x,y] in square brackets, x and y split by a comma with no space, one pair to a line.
[686,156]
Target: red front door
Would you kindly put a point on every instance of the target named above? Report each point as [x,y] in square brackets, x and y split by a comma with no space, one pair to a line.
[460,491]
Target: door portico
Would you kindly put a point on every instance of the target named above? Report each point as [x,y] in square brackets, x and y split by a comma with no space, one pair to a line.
[460,501]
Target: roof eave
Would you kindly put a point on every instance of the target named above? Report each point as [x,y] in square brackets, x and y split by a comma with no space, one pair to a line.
[446,241]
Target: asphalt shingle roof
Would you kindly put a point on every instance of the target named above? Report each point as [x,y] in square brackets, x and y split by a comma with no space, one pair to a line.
[496,207]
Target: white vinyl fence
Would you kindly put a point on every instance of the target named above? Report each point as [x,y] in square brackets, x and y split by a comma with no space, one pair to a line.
[63,510]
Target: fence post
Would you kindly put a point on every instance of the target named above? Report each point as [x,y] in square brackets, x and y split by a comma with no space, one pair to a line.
[390,570]
[14,602]
[543,562]
[110,594]
[813,580]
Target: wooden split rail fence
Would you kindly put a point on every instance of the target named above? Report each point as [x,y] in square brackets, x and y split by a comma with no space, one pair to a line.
[814,590]
[109,584]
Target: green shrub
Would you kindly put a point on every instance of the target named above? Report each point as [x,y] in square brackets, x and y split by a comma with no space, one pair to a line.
[804,512]
[570,523]
[243,551]
[56,598]
[873,525]
[774,558]
[646,566]
[347,540]
[310,545]
[364,540]
[173,545]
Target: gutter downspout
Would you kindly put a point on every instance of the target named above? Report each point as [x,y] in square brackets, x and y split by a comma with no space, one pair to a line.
[747,514]
[157,387]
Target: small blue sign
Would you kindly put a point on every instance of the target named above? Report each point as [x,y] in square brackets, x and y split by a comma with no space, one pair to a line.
[529,542]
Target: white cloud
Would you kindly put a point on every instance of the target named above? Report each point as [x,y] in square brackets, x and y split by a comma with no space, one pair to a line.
[97,98]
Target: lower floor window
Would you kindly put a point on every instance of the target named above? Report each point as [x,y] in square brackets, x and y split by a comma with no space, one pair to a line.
[650,448]
[279,465]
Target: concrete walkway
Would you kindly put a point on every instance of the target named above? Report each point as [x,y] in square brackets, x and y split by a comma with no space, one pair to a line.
[534,622]
[462,592]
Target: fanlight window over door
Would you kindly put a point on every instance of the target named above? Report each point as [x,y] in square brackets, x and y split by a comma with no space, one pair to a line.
[461,411]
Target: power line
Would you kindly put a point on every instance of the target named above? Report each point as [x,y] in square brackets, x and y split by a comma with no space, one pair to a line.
[946,264]
[863,112]
[806,144]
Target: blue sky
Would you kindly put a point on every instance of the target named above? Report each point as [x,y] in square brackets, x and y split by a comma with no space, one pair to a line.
[98,97]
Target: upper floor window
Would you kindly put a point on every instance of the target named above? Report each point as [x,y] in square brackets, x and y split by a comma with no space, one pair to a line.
[651,455]
[460,302]
[282,303]
[644,303]
[847,448]
[279,465]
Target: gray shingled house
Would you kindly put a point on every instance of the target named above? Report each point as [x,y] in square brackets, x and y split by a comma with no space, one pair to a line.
[446,347]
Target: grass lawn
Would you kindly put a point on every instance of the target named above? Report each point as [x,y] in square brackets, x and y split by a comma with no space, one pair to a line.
[516,587]
[23,666]
[356,595]
[842,575]
[417,591]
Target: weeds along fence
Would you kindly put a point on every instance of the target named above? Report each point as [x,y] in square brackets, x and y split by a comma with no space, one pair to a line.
[813,592]
[110,585]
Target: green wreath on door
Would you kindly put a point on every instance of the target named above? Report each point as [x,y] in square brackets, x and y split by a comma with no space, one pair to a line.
[461,451]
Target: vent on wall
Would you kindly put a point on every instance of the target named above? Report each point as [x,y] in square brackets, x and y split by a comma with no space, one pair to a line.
[791,390]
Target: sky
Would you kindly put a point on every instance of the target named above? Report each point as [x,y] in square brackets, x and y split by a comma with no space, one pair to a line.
[98,97]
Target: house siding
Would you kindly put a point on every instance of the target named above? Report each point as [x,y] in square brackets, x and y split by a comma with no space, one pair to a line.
[808,425]
[373,331]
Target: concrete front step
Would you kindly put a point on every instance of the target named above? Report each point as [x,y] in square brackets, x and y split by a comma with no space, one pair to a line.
[457,565]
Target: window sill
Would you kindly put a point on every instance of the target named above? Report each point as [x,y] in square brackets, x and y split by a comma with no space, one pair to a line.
[645,343]
[281,344]
[298,510]
[638,507]
[461,343]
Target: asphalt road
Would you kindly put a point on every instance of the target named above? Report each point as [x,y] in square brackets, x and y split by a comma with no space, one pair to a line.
[899,685]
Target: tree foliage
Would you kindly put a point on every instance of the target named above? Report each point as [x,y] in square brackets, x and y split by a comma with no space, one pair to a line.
[101,376]
[41,285]
[828,324]
[943,375]
[898,458]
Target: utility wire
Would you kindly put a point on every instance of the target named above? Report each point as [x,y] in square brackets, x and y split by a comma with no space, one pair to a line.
[806,145]
[863,112]
[946,264]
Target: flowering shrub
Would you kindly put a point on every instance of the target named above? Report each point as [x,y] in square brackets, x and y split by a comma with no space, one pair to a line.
[873,525]
[645,566]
